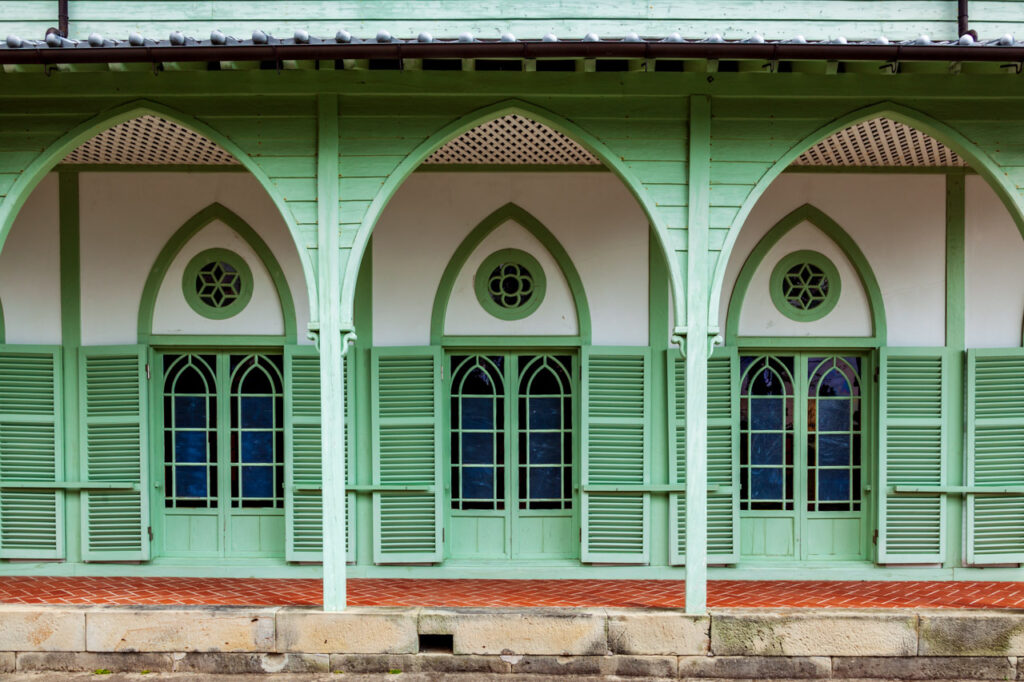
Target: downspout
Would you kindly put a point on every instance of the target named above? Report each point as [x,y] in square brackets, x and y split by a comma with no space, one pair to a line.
[63,20]
[962,28]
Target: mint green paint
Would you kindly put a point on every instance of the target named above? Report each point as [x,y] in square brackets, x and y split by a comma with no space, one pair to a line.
[453,129]
[503,341]
[244,283]
[499,217]
[657,338]
[216,340]
[362,456]
[777,283]
[2,332]
[530,282]
[956,327]
[881,170]
[978,158]
[174,245]
[697,349]
[71,340]
[818,218]
[333,337]
[31,175]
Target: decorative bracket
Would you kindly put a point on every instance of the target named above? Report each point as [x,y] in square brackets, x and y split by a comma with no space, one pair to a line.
[715,338]
[348,339]
[313,334]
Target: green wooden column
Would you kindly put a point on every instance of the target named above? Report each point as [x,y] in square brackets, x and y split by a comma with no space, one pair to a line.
[333,343]
[956,189]
[697,352]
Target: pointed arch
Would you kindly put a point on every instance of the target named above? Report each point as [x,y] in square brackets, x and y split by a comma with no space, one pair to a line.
[981,162]
[842,239]
[471,120]
[52,155]
[527,221]
[174,245]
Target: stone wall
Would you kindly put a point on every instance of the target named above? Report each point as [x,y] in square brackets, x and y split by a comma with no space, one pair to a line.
[734,644]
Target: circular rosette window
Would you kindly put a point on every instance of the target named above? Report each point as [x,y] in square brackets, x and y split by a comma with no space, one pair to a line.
[510,284]
[805,286]
[217,284]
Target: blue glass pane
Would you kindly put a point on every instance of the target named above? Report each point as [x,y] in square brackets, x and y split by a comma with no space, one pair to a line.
[189,411]
[190,446]
[477,448]
[478,483]
[545,413]
[545,448]
[478,413]
[766,413]
[833,415]
[257,481]
[765,484]
[833,484]
[257,412]
[766,448]
[834,450]
[258,447]
[546,483]
[189,481]
[834,383]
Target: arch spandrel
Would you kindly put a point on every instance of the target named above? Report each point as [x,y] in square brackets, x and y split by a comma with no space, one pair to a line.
[652,169]
[295,197]
[788,139]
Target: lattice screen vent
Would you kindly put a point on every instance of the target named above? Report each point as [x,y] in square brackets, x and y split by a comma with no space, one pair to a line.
[150,140]
[513,140]
[880,142]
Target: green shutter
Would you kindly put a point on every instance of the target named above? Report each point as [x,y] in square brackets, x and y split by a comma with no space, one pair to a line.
[114,443]
[912,449]
[995,455]
[616,425]
[31,519]
[303,465]
[723,461]
[407,432]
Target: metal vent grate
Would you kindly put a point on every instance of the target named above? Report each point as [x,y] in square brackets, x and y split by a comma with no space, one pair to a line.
[150,140]
[512,141]
[880,142]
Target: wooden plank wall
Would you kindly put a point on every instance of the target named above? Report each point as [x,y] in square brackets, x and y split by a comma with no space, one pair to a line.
[774,19]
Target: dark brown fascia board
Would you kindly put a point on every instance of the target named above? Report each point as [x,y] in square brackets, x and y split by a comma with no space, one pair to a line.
[83,54]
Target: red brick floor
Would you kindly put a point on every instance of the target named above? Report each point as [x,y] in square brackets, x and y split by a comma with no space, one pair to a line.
[621,593]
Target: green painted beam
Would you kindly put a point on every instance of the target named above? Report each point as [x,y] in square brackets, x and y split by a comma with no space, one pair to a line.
[10,484]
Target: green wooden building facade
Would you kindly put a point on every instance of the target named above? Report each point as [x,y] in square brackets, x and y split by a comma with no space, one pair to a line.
[402,289]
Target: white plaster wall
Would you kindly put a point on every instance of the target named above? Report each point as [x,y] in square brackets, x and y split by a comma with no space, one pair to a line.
[30,270]
[173,315]
[555,315]
[852,315]
[897,220]
[994,271]
[600,225]
[126,220]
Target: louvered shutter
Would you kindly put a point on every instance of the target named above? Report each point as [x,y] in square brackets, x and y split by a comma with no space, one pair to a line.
[407,432]
[912,448]
[31,519]
[995,455]
[723,422]
[113,422]
[616,425]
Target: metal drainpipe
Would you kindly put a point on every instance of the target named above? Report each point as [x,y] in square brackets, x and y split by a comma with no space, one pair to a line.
[962,28]
[63,20]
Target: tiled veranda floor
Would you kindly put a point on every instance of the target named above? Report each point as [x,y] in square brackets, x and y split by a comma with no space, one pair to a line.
[511,593]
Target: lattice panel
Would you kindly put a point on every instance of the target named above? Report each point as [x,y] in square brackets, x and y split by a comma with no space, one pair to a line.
[513,141]
[150,140]
[880,142]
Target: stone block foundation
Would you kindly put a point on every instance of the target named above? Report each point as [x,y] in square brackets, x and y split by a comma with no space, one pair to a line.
[641,643]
